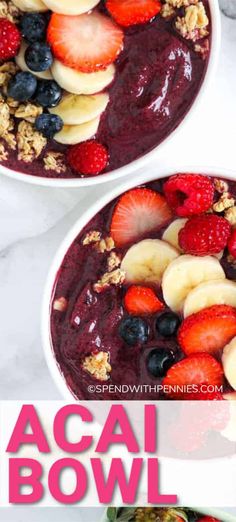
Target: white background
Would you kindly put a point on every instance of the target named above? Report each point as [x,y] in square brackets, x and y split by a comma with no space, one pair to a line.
[33,221]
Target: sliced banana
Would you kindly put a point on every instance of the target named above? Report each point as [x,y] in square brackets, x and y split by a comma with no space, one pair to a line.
[184,274]
[75,109]
[77,82]
[171,234]
[30,5]
[210,293]
[71,7]
[229,362]
[147,260]
[20,60]
[73,134]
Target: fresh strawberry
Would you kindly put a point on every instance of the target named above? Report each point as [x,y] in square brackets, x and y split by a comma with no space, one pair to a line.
[142,300]
[137,212]
[204,235]
[208,330]
[232,244]
[10,39]
[185,378]
[87,42]
[88,158]
[189,194]
[210,396]
[133,12]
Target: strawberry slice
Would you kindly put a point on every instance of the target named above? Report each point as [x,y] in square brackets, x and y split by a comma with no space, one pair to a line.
[193,372]
[133,12]
[142,300]
[137,212]
[208,330]
[87,42]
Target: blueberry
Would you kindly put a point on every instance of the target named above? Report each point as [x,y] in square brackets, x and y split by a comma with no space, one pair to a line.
[22,86]
[159,361]
[167,324]
[48,124]
[38,57]
[48,93]
[33,27]
[134,330]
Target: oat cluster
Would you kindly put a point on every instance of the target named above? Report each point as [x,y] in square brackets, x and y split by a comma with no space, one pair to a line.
[98,365]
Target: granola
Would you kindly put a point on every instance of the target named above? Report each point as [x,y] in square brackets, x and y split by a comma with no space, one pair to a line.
[6,125]
[3,153]
[92,237]
[97,364]
[28,112]
[30,142]
[10,11]
[54,161]
[7,70]
[220,185]
[116,277]
[225,201]
[230,215]
[105,245]
[113,261]
[193,24]
[203,48]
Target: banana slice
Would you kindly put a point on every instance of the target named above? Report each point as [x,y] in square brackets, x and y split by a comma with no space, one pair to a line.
[77,82]
[147,260]
[73,134]
[184,274]
[210,293]
[229,362]
[75,109]
[171,234]
[71,7]
[30,5]
[20,60]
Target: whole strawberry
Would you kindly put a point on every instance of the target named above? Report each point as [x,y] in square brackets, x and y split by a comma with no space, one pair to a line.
[189,194]
[204,235]
[10,39]
[88,158]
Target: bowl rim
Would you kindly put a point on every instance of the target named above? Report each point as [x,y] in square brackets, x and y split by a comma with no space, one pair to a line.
[214,512]
[153,154]
[73,232]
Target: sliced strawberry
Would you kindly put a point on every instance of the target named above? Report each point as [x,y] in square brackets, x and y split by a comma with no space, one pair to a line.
[142,300]
[87,42]
[137,212]
[208,330]
[185,378]
[133,12]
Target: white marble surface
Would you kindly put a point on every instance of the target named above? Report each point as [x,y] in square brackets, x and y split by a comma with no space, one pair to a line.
[33,221]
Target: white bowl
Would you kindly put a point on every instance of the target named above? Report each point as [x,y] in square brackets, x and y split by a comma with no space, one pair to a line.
[140,162]
[217,513]
[70,237]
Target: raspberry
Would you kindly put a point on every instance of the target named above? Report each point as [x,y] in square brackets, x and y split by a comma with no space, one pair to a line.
[189,194]
[232,244]
[88,158]
[10,39]
[204,235]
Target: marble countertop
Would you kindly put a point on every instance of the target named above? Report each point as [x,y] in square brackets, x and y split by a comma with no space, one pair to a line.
[34,220]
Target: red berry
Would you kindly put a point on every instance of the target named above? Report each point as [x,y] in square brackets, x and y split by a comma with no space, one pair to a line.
[87,42]
[133,12]
[189,194]
[232,244]
[193,371]
[10,39]
[208,330]
[138,212]
[204,235]
[88,158]
[208,519]
[142,300]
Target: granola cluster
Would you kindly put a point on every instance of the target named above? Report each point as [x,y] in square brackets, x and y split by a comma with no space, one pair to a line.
[193,24]
[10,11]
[116,277]
[226,203]
[54,161]
[97,364]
